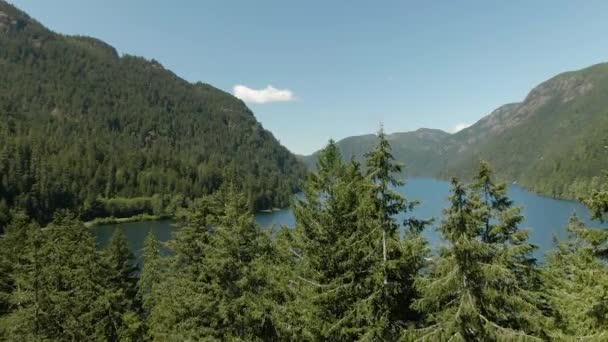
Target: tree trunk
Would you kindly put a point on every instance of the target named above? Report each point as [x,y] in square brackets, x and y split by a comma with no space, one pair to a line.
[384,254]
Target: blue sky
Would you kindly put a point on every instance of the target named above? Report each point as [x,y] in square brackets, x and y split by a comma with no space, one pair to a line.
[340,68]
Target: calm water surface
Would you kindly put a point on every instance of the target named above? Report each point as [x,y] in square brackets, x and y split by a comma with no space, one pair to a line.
[545,217]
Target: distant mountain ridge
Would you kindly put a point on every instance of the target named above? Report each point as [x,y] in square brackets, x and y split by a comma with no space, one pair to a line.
[554,142]
[423,149]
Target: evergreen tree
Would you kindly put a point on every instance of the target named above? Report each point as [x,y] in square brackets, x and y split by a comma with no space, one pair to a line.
[475,289]
[352,264]
[326,221]
[150,275]
[598,201]
[400,259]
[122,276]
[576,277]
[239,280]
[174,315]
[495,202]
[221,282]
[61,292]
[18,266]
[122,266]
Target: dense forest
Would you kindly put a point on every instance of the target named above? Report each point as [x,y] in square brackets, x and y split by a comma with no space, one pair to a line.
[85,129]
[87,134]
[347,271]
[554,142]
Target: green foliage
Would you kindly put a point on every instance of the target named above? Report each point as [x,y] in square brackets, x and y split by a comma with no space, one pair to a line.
[240,283]
[104,135]
[484,285]
[151,273]
[84,128]
[221,282]
[346,272]
[576,277]
[60,288]
[12,258]
[577,282]
[598,201]
[121,273]
[352,266]
[122,267]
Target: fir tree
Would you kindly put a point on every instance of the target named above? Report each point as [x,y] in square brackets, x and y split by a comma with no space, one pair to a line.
[576,277]
[61,291]
[150,275]
[400,259]
[323,245]
[352,264]
[495,202]
[174,315]
[597,202]
[19,271]
[122,266]
[475,289]
[122,276]
[239,280]
[220,282]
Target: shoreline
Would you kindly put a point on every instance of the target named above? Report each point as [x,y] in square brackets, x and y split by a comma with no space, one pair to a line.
[148,217]
[100,221]
[136,218]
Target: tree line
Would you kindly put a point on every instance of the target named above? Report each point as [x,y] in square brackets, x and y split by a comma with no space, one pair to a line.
[347,271]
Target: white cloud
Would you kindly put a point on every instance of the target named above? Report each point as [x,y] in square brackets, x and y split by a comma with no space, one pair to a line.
[265,95]
[459,127]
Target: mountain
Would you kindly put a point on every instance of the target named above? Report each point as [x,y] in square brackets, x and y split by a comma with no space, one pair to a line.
[554,142]
[86,129]
[422,149]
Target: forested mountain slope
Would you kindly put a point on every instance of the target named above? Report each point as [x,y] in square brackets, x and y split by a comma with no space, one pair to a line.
[554,142]
[81,125]
[423,149]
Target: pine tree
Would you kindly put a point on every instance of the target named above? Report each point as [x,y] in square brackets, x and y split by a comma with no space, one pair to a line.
[495,201]
[576,279]
[174,315]
[239,279]
[61,290]
[123,268]
[598,201]
[19,268]
[501,222]
[576,276]
[122,276]
[150,275]
[475,288]
[352,264]
[401,260]
[221,282]
[323,245]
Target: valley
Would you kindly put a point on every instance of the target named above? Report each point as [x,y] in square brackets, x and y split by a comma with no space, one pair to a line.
[140,203]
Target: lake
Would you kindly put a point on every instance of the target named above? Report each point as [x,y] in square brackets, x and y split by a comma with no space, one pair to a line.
[545,217]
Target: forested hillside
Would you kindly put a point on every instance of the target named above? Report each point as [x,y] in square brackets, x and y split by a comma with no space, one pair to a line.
[348,271]
[106,135]
[423,149]
[554,142]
